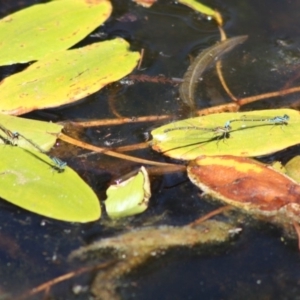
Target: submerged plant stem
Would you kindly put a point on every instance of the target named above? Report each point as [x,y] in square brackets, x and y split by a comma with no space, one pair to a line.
[106,151]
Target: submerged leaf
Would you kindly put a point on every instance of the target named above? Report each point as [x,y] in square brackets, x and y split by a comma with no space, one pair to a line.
[34,32]
[187,139]
[129,197]
[207,57]
[28,180]
[248,185]
[147,240]
[138,245]
[67,76]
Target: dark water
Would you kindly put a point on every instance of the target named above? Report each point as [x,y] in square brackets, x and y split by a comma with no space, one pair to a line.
[258,265]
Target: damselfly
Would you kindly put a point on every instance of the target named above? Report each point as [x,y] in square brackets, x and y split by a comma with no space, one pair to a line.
[222,131]
[277,120]
[59,165]
[11,137]
[17,135]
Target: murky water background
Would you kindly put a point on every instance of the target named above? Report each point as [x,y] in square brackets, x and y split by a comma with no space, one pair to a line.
[256,265]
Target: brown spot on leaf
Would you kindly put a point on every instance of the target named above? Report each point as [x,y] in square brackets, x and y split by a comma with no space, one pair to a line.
[93,2]
[7,19]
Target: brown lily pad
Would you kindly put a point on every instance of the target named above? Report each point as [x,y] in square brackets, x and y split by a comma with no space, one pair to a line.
[248,185]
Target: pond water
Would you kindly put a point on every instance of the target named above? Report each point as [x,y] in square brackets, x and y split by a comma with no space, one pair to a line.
[259,263]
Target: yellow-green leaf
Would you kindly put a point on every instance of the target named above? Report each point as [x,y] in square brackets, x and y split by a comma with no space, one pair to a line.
[277,166]
[44,134]
[129,197]
[67,76]
[41,29]
[204,9]
[28,180]
[293,168]
[187,140]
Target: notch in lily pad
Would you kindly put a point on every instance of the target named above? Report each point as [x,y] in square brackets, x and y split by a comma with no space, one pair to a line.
[34,32]
[66,76]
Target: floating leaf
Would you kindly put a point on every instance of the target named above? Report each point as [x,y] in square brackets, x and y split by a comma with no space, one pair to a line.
[186,140]
[44,134]
[277,166]
[129,197]
[249,185]
[41,29]
[196,5]
[67,76]
[29,181]
[293,168]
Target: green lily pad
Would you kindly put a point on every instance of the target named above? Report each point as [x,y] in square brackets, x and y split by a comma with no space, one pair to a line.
[67,76]
[43,134]
[28,180]
[277,166]
[293,168]
[187,140]
[34,32]
[129,197]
